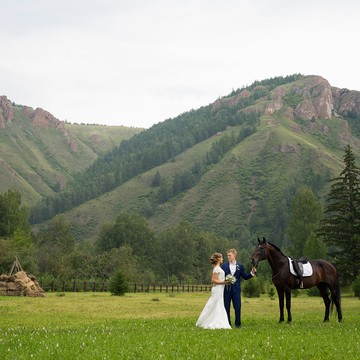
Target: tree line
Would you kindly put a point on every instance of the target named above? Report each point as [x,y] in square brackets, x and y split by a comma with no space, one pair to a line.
[180,255]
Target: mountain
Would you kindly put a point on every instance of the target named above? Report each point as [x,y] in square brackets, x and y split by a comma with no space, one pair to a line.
[40,155]
[231,167]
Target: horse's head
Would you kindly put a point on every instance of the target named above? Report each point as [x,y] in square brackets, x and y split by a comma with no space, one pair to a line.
[260,252]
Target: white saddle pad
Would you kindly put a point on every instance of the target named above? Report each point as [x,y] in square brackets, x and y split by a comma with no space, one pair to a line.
[308,270]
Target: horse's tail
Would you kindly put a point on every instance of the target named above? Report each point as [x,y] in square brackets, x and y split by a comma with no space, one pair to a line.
[336,296]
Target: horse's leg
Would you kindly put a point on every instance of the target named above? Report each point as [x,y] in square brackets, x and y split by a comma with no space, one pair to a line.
[281,304]
[288,305]
[336,298]
[338,308]
[324,294]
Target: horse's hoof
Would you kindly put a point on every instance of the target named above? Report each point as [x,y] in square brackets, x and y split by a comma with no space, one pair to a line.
[288,322]
[280,321]
[326,320]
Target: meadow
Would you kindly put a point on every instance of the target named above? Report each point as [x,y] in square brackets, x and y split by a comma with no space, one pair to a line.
[162,326]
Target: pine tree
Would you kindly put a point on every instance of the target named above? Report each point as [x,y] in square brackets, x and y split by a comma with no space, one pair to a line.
[13,216]
[340,227]
[155,182]
[118,284]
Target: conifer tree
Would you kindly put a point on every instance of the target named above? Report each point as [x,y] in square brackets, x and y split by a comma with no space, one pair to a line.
[13,216]
[340,227]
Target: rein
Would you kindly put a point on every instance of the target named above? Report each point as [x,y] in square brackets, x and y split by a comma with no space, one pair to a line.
[276,274]
[276,248]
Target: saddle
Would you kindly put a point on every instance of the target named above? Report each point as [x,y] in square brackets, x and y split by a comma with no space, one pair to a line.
[302,265]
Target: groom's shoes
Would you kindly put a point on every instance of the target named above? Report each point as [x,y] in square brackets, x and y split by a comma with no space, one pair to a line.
[238,326]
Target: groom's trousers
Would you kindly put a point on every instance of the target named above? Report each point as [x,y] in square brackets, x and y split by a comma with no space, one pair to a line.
[233,295]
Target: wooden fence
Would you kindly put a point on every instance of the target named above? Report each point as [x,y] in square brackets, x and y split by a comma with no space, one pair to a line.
[103,286]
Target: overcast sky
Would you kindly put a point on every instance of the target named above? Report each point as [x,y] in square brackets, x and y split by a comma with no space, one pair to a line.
[137,62]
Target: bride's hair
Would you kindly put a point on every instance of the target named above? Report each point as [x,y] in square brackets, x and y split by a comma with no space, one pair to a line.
[215,258]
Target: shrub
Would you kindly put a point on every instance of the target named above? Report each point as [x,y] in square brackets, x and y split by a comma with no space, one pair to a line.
[251,288]
[271,292]
[118,284]
[314,291]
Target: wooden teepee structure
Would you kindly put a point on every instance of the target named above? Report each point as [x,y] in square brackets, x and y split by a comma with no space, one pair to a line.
[16,267]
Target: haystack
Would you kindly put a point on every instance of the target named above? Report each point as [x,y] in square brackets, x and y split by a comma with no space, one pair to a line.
[19,283]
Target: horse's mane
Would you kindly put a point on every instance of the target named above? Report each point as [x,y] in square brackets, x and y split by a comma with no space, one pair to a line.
[276,248]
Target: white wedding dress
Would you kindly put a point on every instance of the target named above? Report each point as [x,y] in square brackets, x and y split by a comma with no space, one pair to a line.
[214,314]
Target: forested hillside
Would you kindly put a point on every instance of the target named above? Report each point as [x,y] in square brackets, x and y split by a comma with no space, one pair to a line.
[209,179]
[161,143]
[231,167]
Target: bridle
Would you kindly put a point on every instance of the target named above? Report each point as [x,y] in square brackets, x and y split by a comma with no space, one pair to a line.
[262,253]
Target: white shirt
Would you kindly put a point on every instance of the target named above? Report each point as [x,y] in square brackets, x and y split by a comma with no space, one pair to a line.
[232,266]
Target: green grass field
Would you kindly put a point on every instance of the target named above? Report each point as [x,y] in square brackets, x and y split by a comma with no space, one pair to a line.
[162,326]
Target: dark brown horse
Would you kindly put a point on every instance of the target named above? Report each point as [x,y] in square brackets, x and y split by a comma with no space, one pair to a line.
[325,276]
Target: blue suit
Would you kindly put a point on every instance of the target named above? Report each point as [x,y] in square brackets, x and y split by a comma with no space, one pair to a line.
[233,292]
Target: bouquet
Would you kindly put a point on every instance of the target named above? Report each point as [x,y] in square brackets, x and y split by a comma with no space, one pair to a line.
[230,279]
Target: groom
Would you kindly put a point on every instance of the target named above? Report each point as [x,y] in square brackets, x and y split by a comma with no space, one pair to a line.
[232,293]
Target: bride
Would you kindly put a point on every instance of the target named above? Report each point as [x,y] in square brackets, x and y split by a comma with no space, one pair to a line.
[214,314]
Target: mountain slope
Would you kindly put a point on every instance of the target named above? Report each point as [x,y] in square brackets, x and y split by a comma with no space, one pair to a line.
[235,196]
[39,154]
[231,167]
[161,143]
[249,190]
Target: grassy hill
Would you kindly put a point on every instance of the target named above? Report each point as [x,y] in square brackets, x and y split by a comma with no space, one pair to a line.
[101,138]
[39,155]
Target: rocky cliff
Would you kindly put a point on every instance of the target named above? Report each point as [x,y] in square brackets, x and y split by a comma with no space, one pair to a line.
[318,100]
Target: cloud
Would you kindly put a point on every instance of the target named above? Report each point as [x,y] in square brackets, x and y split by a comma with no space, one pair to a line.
[136,63]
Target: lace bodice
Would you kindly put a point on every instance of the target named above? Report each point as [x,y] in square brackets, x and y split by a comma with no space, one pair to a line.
[221,272]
